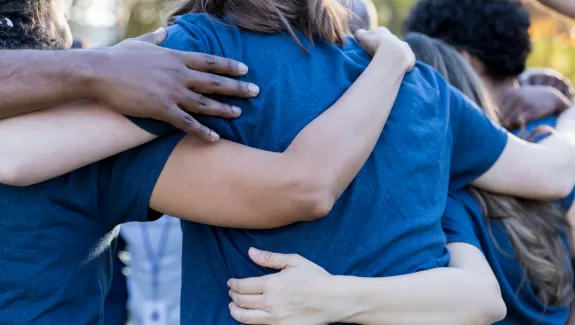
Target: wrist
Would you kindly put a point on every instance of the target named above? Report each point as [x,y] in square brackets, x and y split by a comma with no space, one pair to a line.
[392,63]
[91,73]
[342,299]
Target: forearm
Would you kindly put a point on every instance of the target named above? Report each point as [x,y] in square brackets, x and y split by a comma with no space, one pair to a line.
[564,7]
[336,144]
[546,171]
[49,143]
[439,296]
[33,80]
[243,187]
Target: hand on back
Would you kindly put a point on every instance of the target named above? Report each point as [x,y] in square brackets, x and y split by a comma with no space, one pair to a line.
[547,77]
[522,105]
[381,41]
[141,79]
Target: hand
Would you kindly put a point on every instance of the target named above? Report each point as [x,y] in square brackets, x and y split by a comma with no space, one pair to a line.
[529,103]
[138,78]
[547,77]
[397,50]
[295,295]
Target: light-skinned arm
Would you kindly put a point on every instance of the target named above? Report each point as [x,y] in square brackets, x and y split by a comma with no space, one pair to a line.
[465,293]
[230,184]
[542,171]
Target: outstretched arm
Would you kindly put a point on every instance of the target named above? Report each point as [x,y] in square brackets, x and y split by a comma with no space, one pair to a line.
[135,78]
[542,171]
[464,293]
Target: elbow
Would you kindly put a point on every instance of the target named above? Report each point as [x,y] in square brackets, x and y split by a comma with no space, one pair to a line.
[11,176]
[561,185]
[489,306]
[315,198]
[495,311]
[319,204]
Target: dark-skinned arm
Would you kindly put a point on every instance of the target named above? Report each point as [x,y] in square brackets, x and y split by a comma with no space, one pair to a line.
[134,78]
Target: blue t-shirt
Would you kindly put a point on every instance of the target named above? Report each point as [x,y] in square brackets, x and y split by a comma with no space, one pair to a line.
[58,236]
[463,221]
[388,221]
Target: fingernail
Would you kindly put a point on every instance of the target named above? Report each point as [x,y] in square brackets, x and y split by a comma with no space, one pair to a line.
[242,68]
[254,90]
[229,283]
[214,136]
[230,306]
[256,251]
[236,110]
[159,29]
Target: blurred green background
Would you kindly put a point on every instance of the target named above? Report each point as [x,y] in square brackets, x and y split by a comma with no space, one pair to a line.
[105,22]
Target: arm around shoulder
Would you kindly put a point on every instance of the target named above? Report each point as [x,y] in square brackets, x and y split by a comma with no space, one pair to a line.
[540,171]
[466,293]
[227,184]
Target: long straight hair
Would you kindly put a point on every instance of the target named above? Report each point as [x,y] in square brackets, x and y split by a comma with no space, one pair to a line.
[532,226]
[325,19]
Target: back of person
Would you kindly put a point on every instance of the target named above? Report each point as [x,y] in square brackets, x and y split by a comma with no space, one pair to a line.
[523,305]
[59,236]
[388,220]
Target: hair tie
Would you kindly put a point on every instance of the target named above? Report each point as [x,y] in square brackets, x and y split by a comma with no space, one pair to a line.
[6,22]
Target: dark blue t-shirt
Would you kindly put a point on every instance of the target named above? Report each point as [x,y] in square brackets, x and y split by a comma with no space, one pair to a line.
[463,221]
[58,236]
[388,221]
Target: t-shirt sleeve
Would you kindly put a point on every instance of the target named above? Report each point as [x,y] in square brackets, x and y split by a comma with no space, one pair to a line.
[477,142]
[191,33]
[128,179]
[457,224]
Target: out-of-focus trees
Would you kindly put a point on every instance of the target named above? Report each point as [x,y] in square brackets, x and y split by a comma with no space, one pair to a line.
[554,38]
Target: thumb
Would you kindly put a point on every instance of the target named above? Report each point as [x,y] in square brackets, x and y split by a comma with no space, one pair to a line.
[156,37]
[274,260]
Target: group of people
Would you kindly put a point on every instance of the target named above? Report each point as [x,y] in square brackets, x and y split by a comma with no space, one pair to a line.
[321,178]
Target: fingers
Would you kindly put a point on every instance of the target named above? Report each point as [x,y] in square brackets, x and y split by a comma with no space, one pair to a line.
[247,301]
[249,286]
[213,64]
[274,260]
[190,125]
[206,83]
[156,37]
[411,59]
[200,104]
[247,316]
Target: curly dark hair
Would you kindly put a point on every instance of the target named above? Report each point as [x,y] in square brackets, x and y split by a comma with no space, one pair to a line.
[494,31]
[26,32]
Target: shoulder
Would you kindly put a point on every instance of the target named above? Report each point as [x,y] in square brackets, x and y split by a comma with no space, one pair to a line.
[199,32]
[426,84]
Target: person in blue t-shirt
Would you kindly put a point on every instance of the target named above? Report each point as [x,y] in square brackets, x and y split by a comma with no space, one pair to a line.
[537,229]
[526,242]
[434,137]
[58,236]
[493,36]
